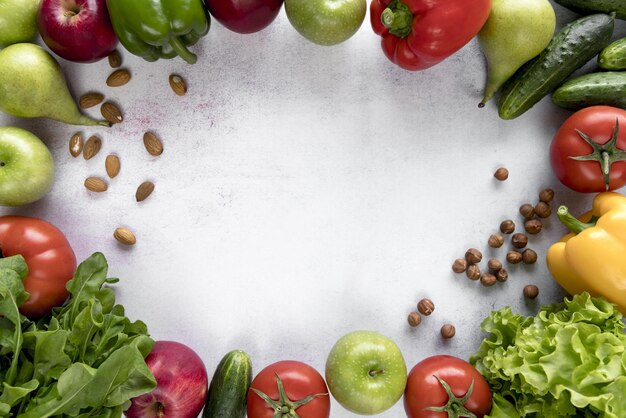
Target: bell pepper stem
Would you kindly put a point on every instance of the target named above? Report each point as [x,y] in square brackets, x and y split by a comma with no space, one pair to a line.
[575,225]
[397,17]
[182,50]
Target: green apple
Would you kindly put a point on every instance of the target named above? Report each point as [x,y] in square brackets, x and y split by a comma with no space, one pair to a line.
[18,21]
[26,167]
[326,22]
[366,372]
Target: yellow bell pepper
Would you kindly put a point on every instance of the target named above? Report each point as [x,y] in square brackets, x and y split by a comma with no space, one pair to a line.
[592,257]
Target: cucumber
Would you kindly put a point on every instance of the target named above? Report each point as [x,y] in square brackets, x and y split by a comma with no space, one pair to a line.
[574,45]
[229,387]
[613,57]
[594,6]
[608,88]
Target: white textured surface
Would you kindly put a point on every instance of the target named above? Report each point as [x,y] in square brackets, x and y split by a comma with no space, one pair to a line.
[305,192]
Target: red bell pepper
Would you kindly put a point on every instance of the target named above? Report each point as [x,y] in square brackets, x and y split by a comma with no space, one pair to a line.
[418,34]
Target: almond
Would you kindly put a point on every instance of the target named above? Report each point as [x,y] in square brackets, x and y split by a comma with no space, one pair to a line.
[90,100]
[118,78]
[92,147]
[153,144]
[96,184]
[178,84]
[112,165]
[144,190]
[124,236]
[111,113]
[115,59]
[76,144]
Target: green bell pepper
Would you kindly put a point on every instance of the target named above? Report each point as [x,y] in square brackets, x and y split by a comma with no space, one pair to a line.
[154,29]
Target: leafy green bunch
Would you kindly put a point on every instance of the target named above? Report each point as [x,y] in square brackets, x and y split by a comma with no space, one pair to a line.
[84,360]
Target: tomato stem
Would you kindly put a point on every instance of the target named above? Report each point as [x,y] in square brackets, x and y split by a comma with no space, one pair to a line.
[285,407]
[397,17]
[455,407]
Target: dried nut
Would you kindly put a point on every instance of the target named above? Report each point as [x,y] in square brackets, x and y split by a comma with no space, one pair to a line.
[459,265]
[448,331]
[473,272]
[76,144]
[488,279]
[118,78]
[115,59]
[542,209]
[546,195]
[90,100]
[533,226]
[144,190]
[153,144]
[124,236]
[95,184]
[495,241]
[111,112]
[527,210]
[507,227]
[531,291]
[513,257]
[414,319]
[502,275]
[494,264]
[112,165]
[529,256]
[473,256]
[92,147]
[178,84]
[425,306]
[501,174]
[519,240]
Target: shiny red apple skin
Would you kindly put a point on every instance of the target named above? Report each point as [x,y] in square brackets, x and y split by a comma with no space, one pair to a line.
[182,384]
[244,16]
[77,30]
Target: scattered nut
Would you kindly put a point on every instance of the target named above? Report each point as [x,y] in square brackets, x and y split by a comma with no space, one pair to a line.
[519,240]
[495,241]
[546,195]
[531,291]
[90,100]
[502,275]
[448,331]
[96,184]
[111,113]
[177,84]
[153,145]
[112,165]
[92,147]
[473,272]
[76,144]
[533,226]
[414,319]
[118,78]
[501,174]
[473,256]
[542,209]
[488,279]
[124,236]
[527,210]
[459,265]
[529,256]
[115,59]
[494,264]
[144,190]
[513,257]
[507,227]
[425,306]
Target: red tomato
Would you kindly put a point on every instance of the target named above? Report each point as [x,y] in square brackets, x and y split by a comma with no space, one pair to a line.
[244,16]
[424,390]
[608,144]
[299,381]
[50,259]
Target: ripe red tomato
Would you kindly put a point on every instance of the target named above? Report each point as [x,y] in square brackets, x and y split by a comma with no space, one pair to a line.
[299,381]
[604,149]
[424,390]
[50,259]
[244,16]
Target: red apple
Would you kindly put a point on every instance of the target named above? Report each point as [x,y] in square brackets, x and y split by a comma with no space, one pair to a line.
[77,30]
[182,384]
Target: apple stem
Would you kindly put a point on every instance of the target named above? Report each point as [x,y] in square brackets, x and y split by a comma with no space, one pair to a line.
[374,373]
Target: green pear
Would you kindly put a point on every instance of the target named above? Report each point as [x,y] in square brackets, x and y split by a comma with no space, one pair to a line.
[32,85]
[18,21]
[515,32]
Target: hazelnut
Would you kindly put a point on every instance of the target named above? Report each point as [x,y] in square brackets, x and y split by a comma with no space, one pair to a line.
[473,256]
[414,319]
[513,257]
[488,279]
[527,210]
[495,241]
[529,256]
[533,226]
[543,210]
[507,227]
[531,291]
[502,275]
[448,331]
[425,306]
[546,195]
[473,272]
[501,174]
[459,265]
[494,264]
[519,240]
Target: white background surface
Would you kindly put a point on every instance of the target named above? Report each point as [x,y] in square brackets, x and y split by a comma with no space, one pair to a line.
[305,192]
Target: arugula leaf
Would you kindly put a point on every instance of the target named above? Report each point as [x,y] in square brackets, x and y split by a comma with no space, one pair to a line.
[12,295]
